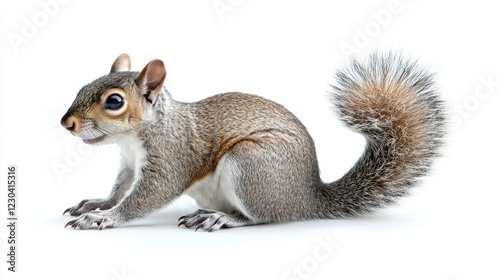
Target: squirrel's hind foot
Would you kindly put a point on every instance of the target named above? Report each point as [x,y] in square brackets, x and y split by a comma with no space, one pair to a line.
[210,220]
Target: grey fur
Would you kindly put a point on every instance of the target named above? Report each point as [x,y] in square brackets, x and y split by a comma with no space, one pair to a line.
[403,134]
[275,174]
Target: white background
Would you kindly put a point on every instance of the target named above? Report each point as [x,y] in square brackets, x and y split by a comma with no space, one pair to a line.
[283,50]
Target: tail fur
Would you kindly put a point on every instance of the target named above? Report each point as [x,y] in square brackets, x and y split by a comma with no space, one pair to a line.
[394,104]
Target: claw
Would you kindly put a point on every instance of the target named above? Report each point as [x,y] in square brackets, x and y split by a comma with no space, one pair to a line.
[70,224]
[209,220]
[66,211]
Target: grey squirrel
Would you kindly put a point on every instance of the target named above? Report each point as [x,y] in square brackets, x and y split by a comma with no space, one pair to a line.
[247,160]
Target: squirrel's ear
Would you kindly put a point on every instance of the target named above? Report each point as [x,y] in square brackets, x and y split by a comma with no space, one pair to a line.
[122,63]
[150,80]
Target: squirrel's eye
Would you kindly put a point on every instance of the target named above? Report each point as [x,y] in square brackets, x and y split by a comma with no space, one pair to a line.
[114,102]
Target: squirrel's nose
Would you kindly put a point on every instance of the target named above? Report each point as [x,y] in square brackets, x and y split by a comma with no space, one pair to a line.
[71,123]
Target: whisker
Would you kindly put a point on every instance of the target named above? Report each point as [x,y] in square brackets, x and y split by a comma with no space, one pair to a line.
[113,135]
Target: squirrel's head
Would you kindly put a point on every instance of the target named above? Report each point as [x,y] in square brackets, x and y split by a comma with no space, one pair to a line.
[116,103]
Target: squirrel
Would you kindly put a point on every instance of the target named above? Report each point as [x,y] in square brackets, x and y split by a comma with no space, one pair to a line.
[247,160]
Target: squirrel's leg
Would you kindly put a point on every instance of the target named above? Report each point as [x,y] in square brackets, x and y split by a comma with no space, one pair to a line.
[122,185]
[221,194]
[254,184]
[149,192]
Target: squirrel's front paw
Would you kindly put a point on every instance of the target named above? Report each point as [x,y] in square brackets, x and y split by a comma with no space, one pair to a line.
[103,219]
[87,205]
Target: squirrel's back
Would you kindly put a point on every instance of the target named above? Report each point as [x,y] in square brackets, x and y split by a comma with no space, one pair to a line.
[229,119]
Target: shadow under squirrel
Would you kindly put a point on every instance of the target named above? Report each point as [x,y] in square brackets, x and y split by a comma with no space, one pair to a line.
[247,160]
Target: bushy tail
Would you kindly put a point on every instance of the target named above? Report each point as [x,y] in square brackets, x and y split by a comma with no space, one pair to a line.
[394,104]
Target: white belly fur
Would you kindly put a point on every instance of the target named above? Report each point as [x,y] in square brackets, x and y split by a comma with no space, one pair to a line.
[217,190]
